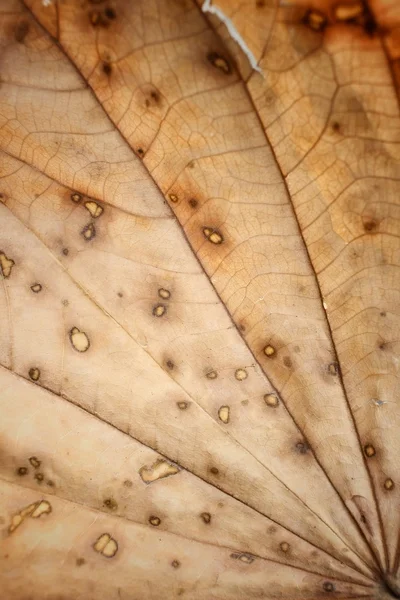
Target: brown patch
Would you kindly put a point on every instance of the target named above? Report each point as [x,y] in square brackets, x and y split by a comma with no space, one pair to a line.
[219,62]
[370,225]
[39,477]
[107,68]
[128,483]
[65,251]
[140,152]
[170,365]
[206,517]
[21,31]
[110,13]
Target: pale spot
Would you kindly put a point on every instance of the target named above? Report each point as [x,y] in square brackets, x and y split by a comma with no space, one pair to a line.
[159,310]
[243,557]
[88,232]
[163,293]
[34,373]
[173,198]
[35,510]
[36,288]
[42,508]
[271,400]
[79,340]
[219,62]
[95,209]
[347,12]
[160,469]
[6,265]
[223,414]
[369,450]
[284,546]
[182,405]
[76,197]
[316,20]
[155,521]
[269,350]
[389,484]
[241,374]
[212,375]
[106,545]
[213,235]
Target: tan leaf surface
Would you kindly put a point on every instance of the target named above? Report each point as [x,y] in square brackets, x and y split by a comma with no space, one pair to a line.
[200,287]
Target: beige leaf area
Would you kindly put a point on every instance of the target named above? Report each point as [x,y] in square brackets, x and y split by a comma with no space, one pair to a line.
[199,299]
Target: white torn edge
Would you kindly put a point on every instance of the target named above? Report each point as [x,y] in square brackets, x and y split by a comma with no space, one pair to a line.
[46,2]
[233,32]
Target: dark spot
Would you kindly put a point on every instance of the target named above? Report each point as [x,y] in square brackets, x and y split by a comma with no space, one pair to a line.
[193,203]
[35,462]
[383,313]
[370,225]
[80,562]
[370,25]
[140,151]
[328,586]
[260,3]
[363,518]
[383,346]
[170,364]
[175,564]
[39,477]
[206,517]
[107,68]
[88,232]
[219,62]
[120,295]
[147,102]
[22,471]
[336,126]
[21,31]
[214,470]
[302,447]
[110,504]
[155,96]
[65,251]
[110,13]
[287,361]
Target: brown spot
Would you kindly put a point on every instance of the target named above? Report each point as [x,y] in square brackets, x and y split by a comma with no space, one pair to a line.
[243,557]
[170,364]
[65,251]
[36,288]
[284,546]
[50,483]
[164,294]
[212,375]
[370,225]
[120,295]
[348,11]
[287,361]
[110,13]
[159,310]
[193,203]
[158,470]
[107,68]
[214,470]
[155,521]
[369,450]
[173,197]
[22,471]
[140,151]
[175,564]
[76,197]
[34,373]
[213,235]
[269,351]
[94,209]
[241,374]
[128,483]
[336,126]
[223,414]
[315,19]
[182,405]
[106,545]
[110,504]
[302,447]
[333,368]
[35,462]
[260,3]
[80,562]
[271,400]
[328,586]
[389,484]
[6,265]
[21,31]
[219,62]
[39,477]
[88,232]
[206,517]
[79,340]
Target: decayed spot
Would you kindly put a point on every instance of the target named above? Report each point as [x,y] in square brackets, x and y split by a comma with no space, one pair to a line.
[159,310]
[88,232]
[223,414]
[155,521]
[36,288]
[243,557]
[269,351]
[76,197]
[158,470]
[389,484]
[271,400]
[35,510]
[212,375]
[6,265]
[39,477]
[315,19]
[110,504]
[219,62]
[206,517]
[35,462]
[284,546]
[34,373]
[328,586]
[79,340]
[22,471]
[163,293]
[94,209]
[182,405]
[348,12]
[106,545]
[213,235]
[369,450]
[241,374]
[175,564]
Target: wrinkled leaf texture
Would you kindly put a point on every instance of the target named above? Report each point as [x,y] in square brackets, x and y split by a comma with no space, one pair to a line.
[199,300]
